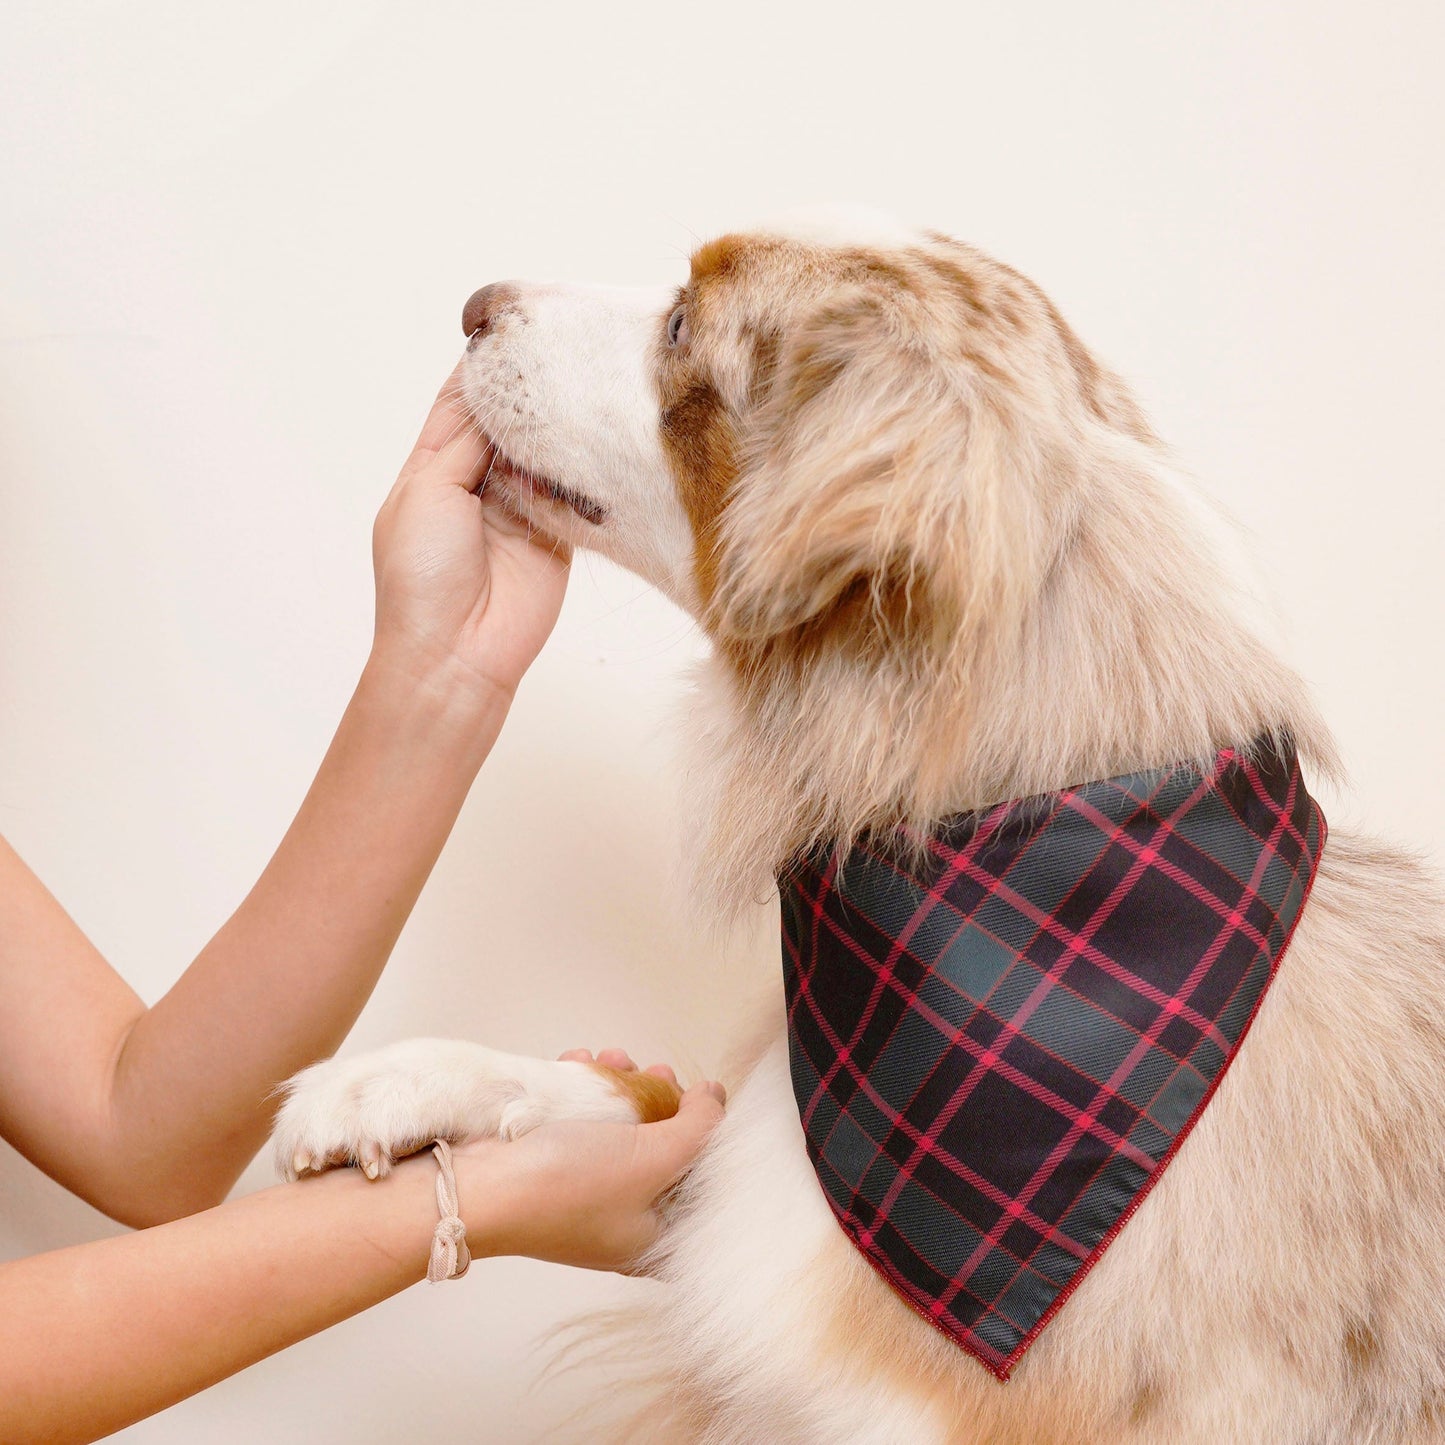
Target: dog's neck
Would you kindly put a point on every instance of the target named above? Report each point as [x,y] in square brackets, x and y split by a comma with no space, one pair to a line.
[1137,650]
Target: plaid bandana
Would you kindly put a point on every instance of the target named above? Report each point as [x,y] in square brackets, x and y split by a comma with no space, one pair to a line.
[996,1053]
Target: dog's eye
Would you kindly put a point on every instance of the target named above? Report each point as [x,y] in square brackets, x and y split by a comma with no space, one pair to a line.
[677,327]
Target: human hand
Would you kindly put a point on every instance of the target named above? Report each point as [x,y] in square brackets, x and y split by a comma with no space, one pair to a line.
[463,589]
[583,1192]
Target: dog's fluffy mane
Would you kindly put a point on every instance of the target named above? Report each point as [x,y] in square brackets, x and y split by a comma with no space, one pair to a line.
[955,566]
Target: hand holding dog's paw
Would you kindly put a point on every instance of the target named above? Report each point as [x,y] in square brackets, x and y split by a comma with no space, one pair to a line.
[373,1110]
[579,1192]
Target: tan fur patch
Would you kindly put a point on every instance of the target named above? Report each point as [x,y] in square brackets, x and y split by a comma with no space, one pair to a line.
[765,343]
[719,257]
[702,445]
[653,1098]
[962,286]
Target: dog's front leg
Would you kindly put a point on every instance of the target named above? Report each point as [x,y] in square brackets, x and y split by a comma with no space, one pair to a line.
[376,1108]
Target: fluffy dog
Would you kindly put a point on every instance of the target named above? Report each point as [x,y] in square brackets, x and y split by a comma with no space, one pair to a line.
[944,561]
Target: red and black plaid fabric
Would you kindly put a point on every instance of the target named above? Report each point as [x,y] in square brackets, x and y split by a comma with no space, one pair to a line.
[996,1054]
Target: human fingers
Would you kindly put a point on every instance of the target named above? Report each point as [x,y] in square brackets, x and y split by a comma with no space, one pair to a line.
[450,451]
[674,1143]
[460,460]
[503,520]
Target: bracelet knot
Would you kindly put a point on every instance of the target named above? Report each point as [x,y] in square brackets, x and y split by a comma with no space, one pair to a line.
[449,1255]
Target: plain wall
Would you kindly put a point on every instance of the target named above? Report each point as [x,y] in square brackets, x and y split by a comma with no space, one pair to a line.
[236,241]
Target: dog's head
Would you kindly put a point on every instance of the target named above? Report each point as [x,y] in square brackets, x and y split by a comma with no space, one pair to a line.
[823,436]
[941,555]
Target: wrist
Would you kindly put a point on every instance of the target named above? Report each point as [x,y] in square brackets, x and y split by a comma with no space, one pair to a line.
[434,694]
[493,1198]
[392,1220]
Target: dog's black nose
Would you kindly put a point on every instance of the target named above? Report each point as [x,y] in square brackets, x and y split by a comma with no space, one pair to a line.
[484,306]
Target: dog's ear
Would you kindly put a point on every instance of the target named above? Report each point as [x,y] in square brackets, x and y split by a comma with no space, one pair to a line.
[875,473]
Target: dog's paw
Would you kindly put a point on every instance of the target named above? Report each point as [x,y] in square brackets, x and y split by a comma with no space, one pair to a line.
[368,1111]
[373,1110]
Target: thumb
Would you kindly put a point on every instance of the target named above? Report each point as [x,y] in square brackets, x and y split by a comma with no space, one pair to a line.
[674,1143]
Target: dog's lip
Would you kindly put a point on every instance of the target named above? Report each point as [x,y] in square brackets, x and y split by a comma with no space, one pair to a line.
[501,467]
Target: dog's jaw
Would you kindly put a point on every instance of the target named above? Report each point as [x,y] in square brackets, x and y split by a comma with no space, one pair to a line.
[527,490]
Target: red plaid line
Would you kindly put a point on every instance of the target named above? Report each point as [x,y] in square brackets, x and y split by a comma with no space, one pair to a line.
[997,1054]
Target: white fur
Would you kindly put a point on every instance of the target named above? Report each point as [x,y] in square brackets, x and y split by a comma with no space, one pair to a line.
[740,1264]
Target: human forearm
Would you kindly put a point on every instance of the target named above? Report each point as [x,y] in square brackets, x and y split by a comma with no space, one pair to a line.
[282,982]
[150,1114]
[95,1337]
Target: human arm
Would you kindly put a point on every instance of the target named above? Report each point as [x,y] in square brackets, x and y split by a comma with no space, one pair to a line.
[98,1336]
[152,1113]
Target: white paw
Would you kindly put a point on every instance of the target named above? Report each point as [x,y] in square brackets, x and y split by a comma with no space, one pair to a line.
[368,1111]
[372,1110]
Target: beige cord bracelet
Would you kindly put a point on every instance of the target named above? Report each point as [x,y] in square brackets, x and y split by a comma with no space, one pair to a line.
[449,1255]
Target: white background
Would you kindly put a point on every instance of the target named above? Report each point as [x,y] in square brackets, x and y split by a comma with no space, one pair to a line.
[236,242]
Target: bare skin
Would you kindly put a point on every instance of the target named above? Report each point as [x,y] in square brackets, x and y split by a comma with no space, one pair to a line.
[151,1114]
